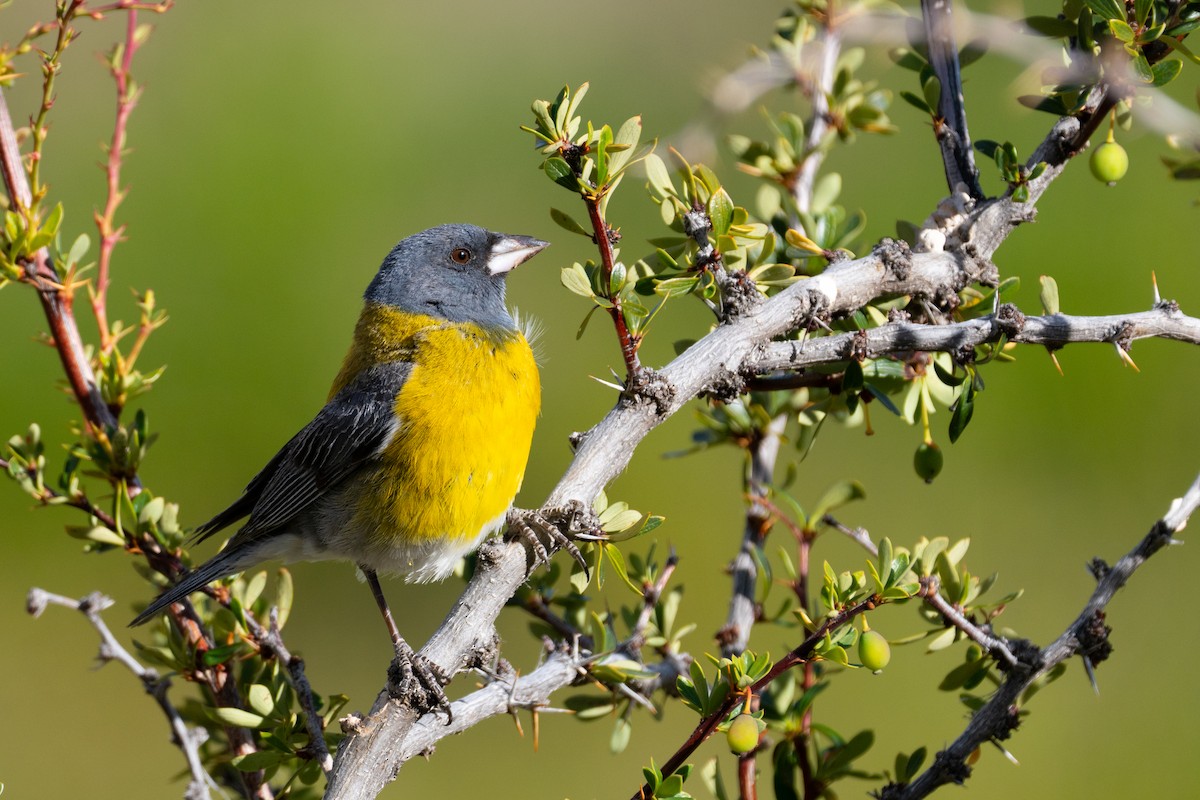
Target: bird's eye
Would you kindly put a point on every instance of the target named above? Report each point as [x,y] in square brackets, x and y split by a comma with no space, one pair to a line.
[460,255]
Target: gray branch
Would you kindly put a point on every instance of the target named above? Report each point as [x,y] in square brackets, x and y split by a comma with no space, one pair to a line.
[996,720]
[743,610]
[187,740]
[952,133]
[373,753]
[1054,331]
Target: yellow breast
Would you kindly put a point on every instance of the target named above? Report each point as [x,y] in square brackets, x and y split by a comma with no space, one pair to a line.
[467,413]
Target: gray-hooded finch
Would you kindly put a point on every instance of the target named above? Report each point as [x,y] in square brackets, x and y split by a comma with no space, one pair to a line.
[422,444]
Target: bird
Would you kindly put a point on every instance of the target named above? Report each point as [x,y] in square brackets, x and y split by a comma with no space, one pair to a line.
[421,447]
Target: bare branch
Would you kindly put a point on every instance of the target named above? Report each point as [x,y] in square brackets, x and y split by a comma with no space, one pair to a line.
[951,124]
[998,717]
[271,640]
[1054,331]
[188,741]
[994,646]
[743,610]
[405,737]
[368,758]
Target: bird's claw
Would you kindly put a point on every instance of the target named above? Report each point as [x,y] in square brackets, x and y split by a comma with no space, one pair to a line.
[531,525]
[417,682]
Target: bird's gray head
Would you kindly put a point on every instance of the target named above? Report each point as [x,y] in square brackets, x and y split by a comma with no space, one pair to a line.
[453,272]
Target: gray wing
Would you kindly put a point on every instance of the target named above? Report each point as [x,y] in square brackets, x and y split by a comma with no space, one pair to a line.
[347,433]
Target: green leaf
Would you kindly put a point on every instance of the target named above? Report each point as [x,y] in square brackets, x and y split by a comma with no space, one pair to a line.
[672,287]
[1050,26]
[627,137]
[617,560]
[846,755]
[963,409]
[560,172]
[931,89]
[260,699]
[915,102]
[1107,9]
[908,59]
[837,496]
[659,177]
[565,221]
[720,211]
[826,192]
[1166,71]
[942,640]
[1143,10]
[1049,295]
[619,740]
[1120,29]
[262,759]
[576,279]
[236,717]
[284,595]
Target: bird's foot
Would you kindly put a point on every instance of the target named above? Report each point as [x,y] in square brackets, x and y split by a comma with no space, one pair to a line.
[417,682]
[531,526]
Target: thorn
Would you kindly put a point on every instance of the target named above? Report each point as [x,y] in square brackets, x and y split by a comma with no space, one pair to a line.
[609,384]
[1154,281]
[537,727]
[1007,754]
[1091,673]
[1125,357]
[1054,358]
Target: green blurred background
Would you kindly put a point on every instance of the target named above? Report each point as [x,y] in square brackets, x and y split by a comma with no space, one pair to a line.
[281,149]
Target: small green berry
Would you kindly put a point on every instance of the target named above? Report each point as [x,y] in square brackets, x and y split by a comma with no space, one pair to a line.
[1109,162]
[873,650]
[742,734]
[927,461]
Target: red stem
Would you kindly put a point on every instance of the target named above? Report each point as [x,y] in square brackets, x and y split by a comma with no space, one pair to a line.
[110,235]
[798,656]
[56,302]
[600,234]
[747,776]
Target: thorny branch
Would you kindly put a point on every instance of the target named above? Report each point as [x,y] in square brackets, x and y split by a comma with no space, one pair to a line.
[370,757]
[998,717]
[800,655]
[1164,321]
[993,645]
[187,740]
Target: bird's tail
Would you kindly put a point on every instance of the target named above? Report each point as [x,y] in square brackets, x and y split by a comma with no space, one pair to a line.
[225,563]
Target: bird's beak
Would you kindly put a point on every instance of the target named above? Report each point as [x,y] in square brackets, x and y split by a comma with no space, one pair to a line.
[509,252]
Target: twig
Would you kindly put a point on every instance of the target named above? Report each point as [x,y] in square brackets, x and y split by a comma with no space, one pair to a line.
[50,497]
[109,234]
[997,718]
[994,646]
[536,605]
[800,655]
[817,126]
[951,122]
[188,741]
[748,775]
[743,610]
[1164,321]
[602,235]
[859,535]
[55,303]
[270,639]
[651,593]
